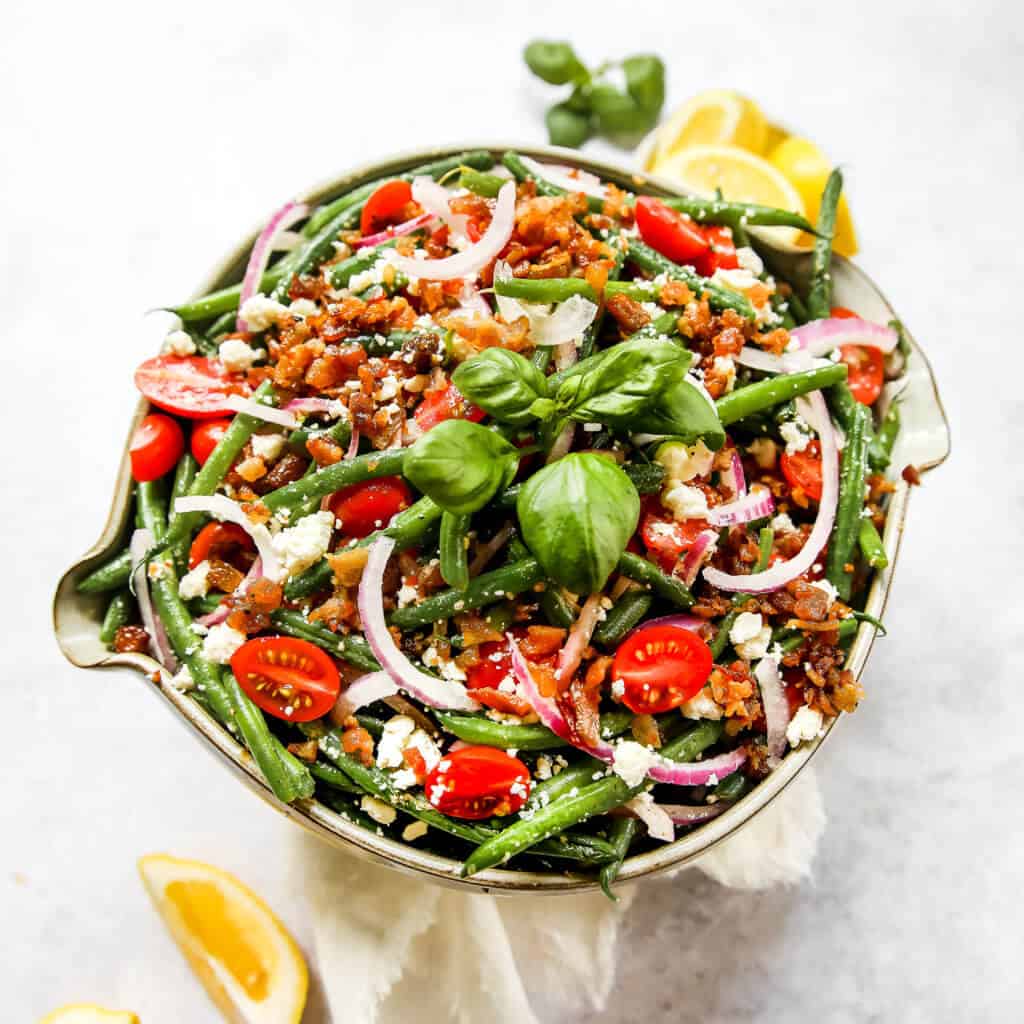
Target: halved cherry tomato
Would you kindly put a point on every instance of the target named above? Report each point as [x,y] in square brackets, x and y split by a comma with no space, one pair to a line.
[673,234]
[803,469]
[191,386]
[720,255]
[364,507]
[478,782]
[661,667]
[494,666]
[384,206]
[866,372]
[227,542]
[206,436]
[286,677]
[447,404]
[666,539]
[842,313]
[156,446]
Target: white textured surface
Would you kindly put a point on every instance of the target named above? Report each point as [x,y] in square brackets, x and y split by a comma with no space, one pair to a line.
[140,140]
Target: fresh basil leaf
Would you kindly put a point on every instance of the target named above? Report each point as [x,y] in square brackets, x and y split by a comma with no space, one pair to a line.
[682,412]
[460,465]
[577,516]
[554,62]
[645,82]
[619,116]
[566,126]
[502,383]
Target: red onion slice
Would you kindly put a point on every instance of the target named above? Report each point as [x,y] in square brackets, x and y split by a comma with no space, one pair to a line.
[690,622]
[259,411]
[395,231]
[436,199]
[562,444]
[141,543]
[789,362]
[470,261]
[755,505]
[733,479]
[700,551]
[776,707]
[778,575]
[698,773]
[435,693]
[471,302]
[365,690]
[659,824]
[353,446]
[221,612]
[222,507]
[260,255]
[327,406]
[572,179]
[821,336]
[579,636]
[683,814]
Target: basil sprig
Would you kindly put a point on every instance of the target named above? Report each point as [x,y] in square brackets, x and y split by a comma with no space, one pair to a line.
[577,516]
[460,465]
[637,386]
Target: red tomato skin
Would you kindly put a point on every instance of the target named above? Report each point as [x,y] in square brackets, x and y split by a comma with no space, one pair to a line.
[803,469]
[383,205]
[866,372]
[155,448]
[448,404]
[494,666]
[842,313]
[193,387]
[215,540]
[673,234]
[367,506]
[478,782]
[662,667]
[666,540]
[206,436]
[267,666]
[721,254]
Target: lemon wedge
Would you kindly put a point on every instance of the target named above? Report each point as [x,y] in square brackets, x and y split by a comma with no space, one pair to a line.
[249,964]
[87,1013]
[807,167]
[714,117]
[742,176]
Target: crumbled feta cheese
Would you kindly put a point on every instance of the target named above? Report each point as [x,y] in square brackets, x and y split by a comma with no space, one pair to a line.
[301,545]
[392,742]
[806,724]
[237,356]
[267,446]
[701,706]
[749,260]
[303,308]
[750,636]
[764,450]
[683,462]
[783,524]
[447,668]
[407,595]
[632,761]
[830,591]
[414,830]
[182,679]
[382,813]
[797,435]
[195,584]
[723,366]
[221,642]
[739,279]
[259,312]
[178,343]
[618,688]
[542,769]
[685,502]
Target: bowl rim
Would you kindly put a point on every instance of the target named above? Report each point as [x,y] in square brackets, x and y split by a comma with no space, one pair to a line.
[71,614]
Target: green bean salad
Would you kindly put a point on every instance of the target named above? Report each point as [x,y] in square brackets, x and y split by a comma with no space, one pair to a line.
[510,514]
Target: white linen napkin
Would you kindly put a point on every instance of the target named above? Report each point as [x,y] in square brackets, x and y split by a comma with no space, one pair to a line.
[392,949]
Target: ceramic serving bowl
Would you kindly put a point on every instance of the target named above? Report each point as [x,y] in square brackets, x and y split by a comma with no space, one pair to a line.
[923,441]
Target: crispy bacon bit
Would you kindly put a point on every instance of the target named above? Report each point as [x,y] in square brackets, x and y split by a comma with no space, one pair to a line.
[223,576]
[498,700]
[482,332]
[347,566]
[628,313]
[286,470]
[911,475]
[732,688]
[304,751]
[579,706]
[335,612]
[476,629]
[251,469]
[645,730]
[541,641]
[676,293]
[774,342]
[131,639]
[357,742]
[325,450]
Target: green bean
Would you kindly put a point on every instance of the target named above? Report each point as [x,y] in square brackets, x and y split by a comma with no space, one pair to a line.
[668,587]
[851,502]
[407,529]
[766,394]
[647,478]
[719,297]
[624,615]
[790,640]
[571,777]
[118,614]
[736,215]
[346,806]
[481,183]
[545,290]
[341,273]
[541,357]
[481,730]
[151,508]
[224,324]
[659,327]
[225,300]
[797,308]
[487,588]
[184,477]
[206,604]
[349,647]
[765,541]
[732,787]
[220,460]
[623,833]
[819,298]
[332,478]
[871,546]
[555,608]
[517,550]
[880,451]
[453,554]
[333,776]
[111,575]
[571,809]
[340,433]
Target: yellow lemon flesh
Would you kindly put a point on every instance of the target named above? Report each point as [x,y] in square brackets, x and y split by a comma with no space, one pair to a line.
[715,117]
[807,167]
[742,176]
[87,1013]
[249,964]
